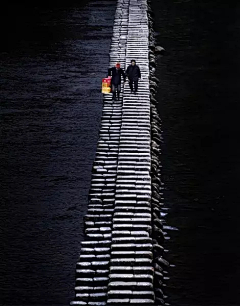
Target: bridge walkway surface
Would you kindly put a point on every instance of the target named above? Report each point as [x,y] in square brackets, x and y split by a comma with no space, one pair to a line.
[115,266]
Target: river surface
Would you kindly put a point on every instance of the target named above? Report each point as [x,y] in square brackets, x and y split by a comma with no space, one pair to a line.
[52,60]
[199,94]
[51,102]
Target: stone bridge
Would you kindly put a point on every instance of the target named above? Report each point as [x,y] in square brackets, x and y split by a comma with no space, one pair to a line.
[121,259]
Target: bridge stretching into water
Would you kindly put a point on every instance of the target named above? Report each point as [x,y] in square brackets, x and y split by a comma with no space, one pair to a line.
[121,259]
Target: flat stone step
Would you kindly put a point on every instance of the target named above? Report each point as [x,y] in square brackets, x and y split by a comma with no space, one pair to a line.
[131,261]
[135,209]
[130,285]
[139,202]
[89,289]
[116,301]
[98,230]
[95,250]
[126,186]
[129,192]
[90,296]
[132,269]
[95,243]
[128,301]
[132,247]
[98,236]
[91,224]
[136,239]
[133,180]
[133,168]
[143,178]
[130,277]
[131,226]
[130,294]
[94,257]
[126,233]
[140,197]
[93,264]
[130,254]
[78,303]
[134,146]
[128,214]
[91,303]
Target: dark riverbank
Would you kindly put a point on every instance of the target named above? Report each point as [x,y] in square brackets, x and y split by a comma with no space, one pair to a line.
[199,106]
[51,62]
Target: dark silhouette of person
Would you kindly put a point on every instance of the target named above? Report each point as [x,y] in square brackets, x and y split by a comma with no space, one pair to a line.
[116,73]
[134,74]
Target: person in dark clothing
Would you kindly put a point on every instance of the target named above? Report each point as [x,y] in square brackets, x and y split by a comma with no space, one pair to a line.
[134,74]
[116,73]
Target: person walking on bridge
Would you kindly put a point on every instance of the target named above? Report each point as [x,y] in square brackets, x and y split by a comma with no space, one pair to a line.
[116,73]
[134,74]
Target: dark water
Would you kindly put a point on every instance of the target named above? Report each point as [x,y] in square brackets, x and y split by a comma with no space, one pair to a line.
[51,63]
[199,104]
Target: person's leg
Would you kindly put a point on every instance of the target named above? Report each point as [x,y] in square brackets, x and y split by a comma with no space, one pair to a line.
[113,92]
[118,91]
[131,85]
[136,85]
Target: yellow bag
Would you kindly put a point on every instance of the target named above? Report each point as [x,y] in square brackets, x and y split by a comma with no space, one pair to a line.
[106,85]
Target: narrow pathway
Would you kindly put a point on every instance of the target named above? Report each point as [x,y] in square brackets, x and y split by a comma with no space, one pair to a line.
[116,262]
